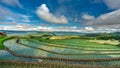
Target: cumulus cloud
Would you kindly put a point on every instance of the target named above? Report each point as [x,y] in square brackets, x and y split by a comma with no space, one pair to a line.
[111,19]
[89,28]
[12,3]
[88,17]
[44,13]
[113,4]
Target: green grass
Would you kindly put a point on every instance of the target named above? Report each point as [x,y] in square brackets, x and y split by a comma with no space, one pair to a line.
[2,39]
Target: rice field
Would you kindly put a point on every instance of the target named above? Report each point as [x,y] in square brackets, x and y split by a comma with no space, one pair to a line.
[65,48]
[109,42]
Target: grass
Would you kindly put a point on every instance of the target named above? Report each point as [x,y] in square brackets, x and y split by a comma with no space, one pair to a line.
[1,43]
[2,39]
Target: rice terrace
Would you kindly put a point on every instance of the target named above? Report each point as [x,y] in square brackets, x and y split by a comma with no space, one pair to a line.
[76,49]
[59,33]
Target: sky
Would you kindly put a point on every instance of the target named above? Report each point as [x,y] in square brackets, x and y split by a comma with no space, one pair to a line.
[60,15]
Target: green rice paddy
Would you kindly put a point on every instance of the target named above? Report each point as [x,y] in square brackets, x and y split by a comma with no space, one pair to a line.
[57,48]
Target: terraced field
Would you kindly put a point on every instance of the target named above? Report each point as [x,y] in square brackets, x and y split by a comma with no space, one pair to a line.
[75,51]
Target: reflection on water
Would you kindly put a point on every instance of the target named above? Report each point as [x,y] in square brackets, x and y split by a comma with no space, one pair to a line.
[7,56]
[20,49]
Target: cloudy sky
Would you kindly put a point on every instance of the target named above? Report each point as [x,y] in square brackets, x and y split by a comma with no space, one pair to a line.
[69,15]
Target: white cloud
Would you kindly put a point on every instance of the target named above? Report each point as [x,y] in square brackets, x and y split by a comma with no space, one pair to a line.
[111,18]
[68,27]
[10,18]
[107,20]
[24,26]
[19,27]
[113,4]
[60,28]
[8,23]
[25,18]
[6,16]
[28,27]
[5,12]
[88,17]
[43,28]
[12,3]
[44,13]
[89,28]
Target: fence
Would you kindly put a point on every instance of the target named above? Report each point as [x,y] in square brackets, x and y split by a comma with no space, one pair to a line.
[22,64]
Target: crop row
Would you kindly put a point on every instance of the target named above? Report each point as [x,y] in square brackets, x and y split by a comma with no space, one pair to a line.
[62,59]
[80,43]
[29,50]
[68,47]
[109,53]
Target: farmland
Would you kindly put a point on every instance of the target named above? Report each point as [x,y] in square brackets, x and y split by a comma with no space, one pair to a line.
[68,49]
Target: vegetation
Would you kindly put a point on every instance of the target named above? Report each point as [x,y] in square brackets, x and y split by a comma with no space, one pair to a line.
[78,43]
[107,42]
[86,48]
[2,39]
[104,36]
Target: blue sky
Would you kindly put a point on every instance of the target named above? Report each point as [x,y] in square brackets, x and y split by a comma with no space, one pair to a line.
[77,14]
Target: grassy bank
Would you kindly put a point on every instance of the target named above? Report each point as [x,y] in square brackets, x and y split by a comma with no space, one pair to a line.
[2,39]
